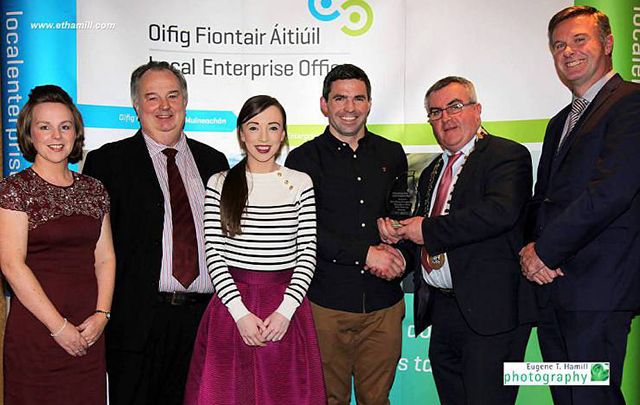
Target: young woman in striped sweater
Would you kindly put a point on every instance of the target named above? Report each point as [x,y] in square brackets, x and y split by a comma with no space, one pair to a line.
[257,343]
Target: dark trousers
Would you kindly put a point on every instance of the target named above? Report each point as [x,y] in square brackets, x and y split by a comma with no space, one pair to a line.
[585,336]
[157,375]
[468,367]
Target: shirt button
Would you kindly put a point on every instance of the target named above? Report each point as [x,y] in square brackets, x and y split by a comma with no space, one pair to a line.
[361,271]
[339,148]
[357,262]
[361,201]
[362,225]
[334,260]
[355,156]
[359,178]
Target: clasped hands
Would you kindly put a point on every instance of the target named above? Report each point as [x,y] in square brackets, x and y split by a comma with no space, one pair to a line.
[534,269]
[76,340]
[256,332]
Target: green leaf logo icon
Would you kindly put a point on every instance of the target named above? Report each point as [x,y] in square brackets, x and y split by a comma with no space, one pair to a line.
[599,372]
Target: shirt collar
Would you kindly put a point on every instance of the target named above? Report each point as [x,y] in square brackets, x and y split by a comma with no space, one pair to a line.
[337,144]
[593,91]
[155,147]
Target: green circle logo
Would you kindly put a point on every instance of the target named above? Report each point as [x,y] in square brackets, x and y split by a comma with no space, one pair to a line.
[356,10]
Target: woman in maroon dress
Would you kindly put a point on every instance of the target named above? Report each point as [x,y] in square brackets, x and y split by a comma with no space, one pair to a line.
[57,254]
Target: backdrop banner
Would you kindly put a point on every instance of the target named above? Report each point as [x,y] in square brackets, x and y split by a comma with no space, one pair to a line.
[230,50]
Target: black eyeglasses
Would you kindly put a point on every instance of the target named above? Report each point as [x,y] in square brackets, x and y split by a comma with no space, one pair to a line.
[454,109]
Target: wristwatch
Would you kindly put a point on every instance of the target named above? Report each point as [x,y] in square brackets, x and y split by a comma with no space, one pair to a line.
[107,314]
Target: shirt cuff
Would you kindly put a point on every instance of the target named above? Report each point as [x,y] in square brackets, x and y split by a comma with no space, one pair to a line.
[287,307]
[363,251]
[237,309]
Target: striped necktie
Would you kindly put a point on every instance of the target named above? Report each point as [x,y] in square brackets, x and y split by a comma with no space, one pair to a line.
[577,108]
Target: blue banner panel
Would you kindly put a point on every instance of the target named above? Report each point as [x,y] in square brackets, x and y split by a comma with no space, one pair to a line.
[38,47]
[101,116]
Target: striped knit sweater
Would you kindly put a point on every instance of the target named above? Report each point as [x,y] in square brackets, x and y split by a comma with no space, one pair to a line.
[278,233]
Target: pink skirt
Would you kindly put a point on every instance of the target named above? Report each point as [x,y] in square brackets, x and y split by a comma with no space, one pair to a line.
[224,370]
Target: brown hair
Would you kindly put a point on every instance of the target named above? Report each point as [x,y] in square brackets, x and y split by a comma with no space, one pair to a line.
[574,11]
[48,94]
[235,191]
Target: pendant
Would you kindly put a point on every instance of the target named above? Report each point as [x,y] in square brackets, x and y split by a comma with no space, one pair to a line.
[436,262]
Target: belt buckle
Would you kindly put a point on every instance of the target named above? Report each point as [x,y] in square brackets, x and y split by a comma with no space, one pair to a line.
[177,298]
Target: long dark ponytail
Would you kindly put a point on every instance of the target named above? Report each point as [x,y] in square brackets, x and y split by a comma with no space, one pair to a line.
[235,191]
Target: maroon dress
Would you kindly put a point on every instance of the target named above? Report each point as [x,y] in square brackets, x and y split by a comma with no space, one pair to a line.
[64,226]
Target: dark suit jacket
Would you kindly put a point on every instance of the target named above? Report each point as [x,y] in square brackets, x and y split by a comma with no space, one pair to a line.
[482,235]
[585,213]
[137,215]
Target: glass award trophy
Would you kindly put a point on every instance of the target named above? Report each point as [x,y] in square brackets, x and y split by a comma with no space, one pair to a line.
[402,200]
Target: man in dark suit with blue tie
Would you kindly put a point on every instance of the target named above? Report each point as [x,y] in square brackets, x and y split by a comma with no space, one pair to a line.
[585,212]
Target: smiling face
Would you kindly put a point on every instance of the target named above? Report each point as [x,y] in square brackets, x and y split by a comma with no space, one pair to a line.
[454,131]
[262,137]
[347,109]
[161,106]
[53,133]
[580,55]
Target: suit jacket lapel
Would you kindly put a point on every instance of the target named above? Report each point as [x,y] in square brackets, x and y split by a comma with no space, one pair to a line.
[551,157]
[593,107]
[142,164]
[428,185]
[470,166]
[200,162]
[557,126]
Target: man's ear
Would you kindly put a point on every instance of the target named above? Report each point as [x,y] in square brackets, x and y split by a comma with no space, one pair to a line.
[608,45]
[323,107]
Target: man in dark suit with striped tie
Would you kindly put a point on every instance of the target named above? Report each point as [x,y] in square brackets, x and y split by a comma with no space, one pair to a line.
[585,212]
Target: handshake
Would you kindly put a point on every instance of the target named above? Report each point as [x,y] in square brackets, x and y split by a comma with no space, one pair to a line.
[385,261]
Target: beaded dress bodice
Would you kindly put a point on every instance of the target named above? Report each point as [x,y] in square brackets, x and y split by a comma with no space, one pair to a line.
[44,202]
